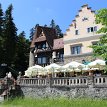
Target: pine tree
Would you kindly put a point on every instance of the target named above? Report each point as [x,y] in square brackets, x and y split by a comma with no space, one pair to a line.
[52,25]
[45,25]
[1,35]
[58,31]
[10,36]
[22,51]
[32,31]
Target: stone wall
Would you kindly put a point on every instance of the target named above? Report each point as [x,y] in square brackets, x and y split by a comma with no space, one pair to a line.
[78,58]
[59,92]
[91,88]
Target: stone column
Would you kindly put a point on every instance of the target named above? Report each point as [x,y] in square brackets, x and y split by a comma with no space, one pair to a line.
[90,81]
[31,59]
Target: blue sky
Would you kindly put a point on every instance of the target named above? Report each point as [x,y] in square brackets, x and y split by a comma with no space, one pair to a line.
[27,13]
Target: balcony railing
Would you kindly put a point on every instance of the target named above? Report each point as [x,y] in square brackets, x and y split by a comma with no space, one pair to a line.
[65,81]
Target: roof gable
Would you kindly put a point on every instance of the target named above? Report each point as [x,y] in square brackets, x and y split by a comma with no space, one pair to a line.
[44,34]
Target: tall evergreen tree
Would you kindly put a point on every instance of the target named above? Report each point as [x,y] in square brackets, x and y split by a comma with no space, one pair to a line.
[22,51]
[52,25]
[1,34]
[57,28]
[32,31]
[45,25]
[59,31]
[10,34]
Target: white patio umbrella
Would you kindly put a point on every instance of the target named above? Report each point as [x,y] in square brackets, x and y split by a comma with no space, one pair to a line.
[36,67]
[97,64]
[73,64]
[28,73]
[53,67]
[32,71]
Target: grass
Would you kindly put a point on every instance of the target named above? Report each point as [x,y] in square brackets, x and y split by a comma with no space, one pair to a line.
[29,102]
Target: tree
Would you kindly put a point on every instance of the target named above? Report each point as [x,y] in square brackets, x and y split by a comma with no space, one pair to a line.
[58,31]
[10,37]
[22,51]
[1,34]
[100,49]
[32,31]
[45,25]
[52,25]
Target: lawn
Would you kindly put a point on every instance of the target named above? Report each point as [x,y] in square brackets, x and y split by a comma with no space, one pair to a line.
[28,102]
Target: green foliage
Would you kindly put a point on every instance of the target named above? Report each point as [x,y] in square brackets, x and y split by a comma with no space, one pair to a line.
[32,31]
[14,49]
[100,49]
[52,25]
[22,51]
[57,28]
[1,33]
[61,102]
[10,34]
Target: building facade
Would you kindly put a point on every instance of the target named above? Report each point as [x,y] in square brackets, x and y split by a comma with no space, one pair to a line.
[80,35]
[46,47]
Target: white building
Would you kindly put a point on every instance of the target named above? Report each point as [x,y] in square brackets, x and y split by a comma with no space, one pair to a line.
[80,35]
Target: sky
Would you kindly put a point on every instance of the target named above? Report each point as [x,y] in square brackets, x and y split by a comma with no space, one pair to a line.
[28,13]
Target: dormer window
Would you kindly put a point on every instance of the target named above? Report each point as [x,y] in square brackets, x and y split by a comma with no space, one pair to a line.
[84,19]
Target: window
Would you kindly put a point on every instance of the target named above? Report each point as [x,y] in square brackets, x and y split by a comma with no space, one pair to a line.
[91,29]
[88,30]
[39,60]
[43,46]
[95,28]
[76,32]
[84,19]
[61,56]
[42,60]
[94,43]
[76,49]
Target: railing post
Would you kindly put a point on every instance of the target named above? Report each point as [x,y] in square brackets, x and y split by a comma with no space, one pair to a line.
[49,81]
[18,78]
[91,81]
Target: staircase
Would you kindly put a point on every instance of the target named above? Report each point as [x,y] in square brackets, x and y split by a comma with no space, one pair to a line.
[6,85]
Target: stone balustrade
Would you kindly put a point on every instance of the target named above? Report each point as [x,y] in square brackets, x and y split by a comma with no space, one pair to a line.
[73,81]
[33,81]
[100,81]
[65,81]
